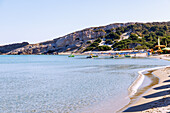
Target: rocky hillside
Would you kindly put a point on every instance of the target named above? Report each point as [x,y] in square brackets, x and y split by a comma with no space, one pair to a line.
[114,36]
[7,48]
[75,42]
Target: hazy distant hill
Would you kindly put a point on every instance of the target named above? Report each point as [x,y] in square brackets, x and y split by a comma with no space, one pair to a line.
[114,36]
[10,47]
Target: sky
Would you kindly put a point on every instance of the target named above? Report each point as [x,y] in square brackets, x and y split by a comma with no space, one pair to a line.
[40,20]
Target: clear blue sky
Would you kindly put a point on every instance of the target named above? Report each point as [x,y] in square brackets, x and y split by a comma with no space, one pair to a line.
[40,20]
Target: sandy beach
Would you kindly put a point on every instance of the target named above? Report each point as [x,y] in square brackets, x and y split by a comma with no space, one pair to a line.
[154,98]
[157,98]
[163,56]
[107,53]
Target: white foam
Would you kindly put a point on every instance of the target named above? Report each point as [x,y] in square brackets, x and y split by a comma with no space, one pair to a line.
[138,82]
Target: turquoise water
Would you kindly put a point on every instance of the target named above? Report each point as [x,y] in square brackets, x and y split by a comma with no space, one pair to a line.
[61,84]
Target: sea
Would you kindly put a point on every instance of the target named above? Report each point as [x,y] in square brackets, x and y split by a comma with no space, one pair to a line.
[60,84]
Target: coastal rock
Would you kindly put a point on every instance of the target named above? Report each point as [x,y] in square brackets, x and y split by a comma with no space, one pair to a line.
[10,47]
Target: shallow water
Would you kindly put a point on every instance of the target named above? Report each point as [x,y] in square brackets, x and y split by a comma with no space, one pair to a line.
[61,84]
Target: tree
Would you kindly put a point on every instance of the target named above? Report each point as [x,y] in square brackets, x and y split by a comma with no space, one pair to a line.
[89,48]
[154,28]
[165,27]
[88,42]
[141,47]
[113,36]
[152,34]
[133,36]
[123,44]
[159,33]
[108,31]
[119,32]
[98,40]
[145,32]
[94,44]
[104,48]
[165,40]
[108,41]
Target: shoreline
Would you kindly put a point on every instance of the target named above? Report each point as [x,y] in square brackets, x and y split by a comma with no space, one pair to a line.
[137,55]
[107,53]
[135,95]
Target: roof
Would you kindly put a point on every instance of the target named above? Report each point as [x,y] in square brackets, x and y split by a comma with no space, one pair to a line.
[160,46]
[159,51]
[167,49]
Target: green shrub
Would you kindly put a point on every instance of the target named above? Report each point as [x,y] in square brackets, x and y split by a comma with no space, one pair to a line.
[108,31]
[113,36]
[119,32]
[123,44]
[133,36]
[165,27]
[89,48]
[108,41]
[141,47]
[154,28]
[104,48]
[98,40]
[160,33]
[88,42]
[94,44]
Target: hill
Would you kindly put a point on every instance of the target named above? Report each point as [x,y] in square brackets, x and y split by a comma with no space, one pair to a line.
[114,36]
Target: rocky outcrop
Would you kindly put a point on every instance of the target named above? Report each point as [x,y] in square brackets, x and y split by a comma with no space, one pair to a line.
[7,48]
[74,42]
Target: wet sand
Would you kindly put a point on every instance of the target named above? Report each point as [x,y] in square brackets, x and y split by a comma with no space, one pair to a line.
[163,56]
[157,99]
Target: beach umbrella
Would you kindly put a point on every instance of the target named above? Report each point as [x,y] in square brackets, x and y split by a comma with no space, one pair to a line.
[166,49]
